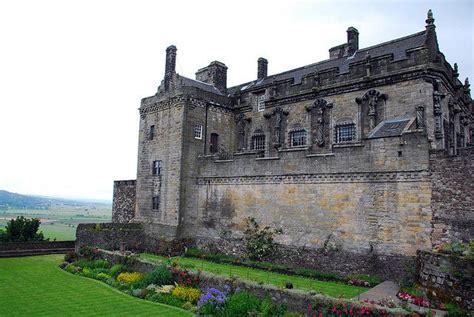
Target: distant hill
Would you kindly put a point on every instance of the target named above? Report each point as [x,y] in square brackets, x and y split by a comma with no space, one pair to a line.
[9,200]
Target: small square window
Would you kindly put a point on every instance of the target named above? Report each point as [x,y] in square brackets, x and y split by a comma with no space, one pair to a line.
[298,138]
[151,132]
[258,142]
[156,168]
[198,131]
[345,133]
[261,102]
[156,203]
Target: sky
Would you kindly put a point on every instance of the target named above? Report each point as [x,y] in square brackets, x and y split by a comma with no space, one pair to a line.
[72,73]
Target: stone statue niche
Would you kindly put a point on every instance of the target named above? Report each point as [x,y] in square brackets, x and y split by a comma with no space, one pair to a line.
[277,125]
[320,120]
[240,132]
[372,110]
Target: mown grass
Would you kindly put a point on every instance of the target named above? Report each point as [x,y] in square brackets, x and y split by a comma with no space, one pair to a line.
[261,276]
[36,286]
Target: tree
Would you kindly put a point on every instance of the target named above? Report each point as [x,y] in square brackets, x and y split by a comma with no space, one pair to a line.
[22,229]
[259,241]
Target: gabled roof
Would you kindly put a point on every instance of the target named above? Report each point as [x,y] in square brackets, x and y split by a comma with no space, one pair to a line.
[188,82]
[397,48]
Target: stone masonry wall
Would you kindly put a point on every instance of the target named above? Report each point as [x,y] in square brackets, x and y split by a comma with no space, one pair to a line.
[123,205]
[452,196]
[447,278]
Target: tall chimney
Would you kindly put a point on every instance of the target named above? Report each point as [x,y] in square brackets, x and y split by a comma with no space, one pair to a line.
[170,68]
[352,40]
[262,68]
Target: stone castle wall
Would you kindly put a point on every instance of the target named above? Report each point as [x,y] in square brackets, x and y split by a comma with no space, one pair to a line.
[124,201]
[452,196]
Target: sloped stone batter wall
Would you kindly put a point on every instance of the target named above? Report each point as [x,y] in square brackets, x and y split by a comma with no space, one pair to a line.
[453,196]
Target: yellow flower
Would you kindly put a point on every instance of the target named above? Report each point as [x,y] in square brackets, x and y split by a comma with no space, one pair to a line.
[127,277]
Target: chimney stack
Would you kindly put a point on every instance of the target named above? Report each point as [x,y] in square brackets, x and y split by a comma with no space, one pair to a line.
[352,40]
[170,67]
[215,74]
[262,68]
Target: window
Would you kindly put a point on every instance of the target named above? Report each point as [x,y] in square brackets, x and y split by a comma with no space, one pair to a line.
[156,168]
[258,142]
[198,131]
[345,133]
[151,132]
[214,146]
[156,203]
[298,138]
[261,102]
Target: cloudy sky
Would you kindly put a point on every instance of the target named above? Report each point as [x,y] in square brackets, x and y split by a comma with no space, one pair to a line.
[72,73]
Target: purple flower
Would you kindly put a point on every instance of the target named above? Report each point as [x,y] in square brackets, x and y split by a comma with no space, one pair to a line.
[213,296]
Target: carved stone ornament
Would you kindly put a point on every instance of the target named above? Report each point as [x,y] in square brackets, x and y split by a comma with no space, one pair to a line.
[319,125]
[372,98]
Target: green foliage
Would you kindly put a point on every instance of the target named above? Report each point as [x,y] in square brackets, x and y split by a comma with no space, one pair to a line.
[323,276]
[117,269]
[167,299]
[372,279]
[211,256]
[101,264]
[159,276]
[259,242]
[241,303]
[270,309]
[22,229]
[70,256]
[103,276]
[455,311]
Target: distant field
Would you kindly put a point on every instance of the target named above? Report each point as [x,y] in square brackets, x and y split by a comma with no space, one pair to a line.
[60,221]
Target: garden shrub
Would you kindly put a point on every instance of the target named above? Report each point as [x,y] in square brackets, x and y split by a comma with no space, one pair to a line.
[184,278]
[371,279]
[167,299]
[84,263]
[129,277]
[116,269]
[187,294]
[212,302]
[323,276]
[88,252]
[241,303]
[159,276]
[70,256]
[259,241]
[455,311]
[270,309]
[101,264]
[103,276]
[22,229]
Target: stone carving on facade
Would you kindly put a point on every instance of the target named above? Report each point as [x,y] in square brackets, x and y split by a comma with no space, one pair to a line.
[277,122]
[240,129]
[319,121]
[438,111]
[372,101]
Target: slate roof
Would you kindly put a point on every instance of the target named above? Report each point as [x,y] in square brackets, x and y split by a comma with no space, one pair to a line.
[389,128]
[397,48]
[184,81]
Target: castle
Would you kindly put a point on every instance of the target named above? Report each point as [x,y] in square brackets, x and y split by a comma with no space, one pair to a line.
[352,152]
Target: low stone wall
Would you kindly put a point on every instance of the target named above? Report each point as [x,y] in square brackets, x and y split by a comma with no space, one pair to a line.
[111,236]
[8,249]
[343,262]
[447,278]
[126,236]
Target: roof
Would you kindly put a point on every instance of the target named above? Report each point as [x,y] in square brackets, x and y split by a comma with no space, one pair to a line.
[184,81]
[397,48]
[389,128]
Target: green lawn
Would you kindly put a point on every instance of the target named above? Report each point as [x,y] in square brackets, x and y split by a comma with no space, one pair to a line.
[328,288]
[36,286]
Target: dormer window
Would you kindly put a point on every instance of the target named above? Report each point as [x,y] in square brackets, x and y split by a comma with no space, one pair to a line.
[261,102]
